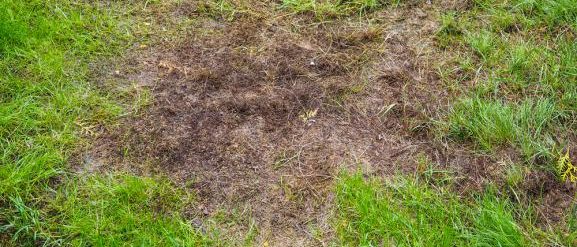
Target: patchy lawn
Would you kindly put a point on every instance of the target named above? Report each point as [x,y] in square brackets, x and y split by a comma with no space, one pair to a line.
[288,123]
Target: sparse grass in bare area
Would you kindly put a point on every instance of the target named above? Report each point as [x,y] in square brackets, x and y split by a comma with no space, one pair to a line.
[523,67]
[520,59]
[334,8]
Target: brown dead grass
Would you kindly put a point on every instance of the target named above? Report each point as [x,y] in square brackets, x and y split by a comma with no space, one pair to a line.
[259,114]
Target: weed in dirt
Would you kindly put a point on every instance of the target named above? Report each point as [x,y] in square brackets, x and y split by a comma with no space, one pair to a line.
[566,169]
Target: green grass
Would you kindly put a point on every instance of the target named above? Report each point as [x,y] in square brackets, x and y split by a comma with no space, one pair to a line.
[522,55]
[45,102]
[114,210]
[491,123]
[408,212]
[523,59]
[334,8]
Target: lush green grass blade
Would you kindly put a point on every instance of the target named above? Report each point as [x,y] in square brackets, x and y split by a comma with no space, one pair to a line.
[494,225]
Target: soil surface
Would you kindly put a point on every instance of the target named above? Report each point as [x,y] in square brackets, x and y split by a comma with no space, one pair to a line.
[258,111]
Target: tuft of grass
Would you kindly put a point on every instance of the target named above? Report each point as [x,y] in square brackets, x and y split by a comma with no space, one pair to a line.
[482,43]
[491,123]
[407,212]
[449,31]
[222,9]
[335,8]
[493,224]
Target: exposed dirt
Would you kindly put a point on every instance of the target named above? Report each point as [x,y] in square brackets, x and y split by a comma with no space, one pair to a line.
[260,113]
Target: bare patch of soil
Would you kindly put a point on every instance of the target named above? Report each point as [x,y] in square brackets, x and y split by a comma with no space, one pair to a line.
[262,112]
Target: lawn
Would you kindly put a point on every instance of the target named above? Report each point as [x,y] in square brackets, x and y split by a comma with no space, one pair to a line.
[288,123]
